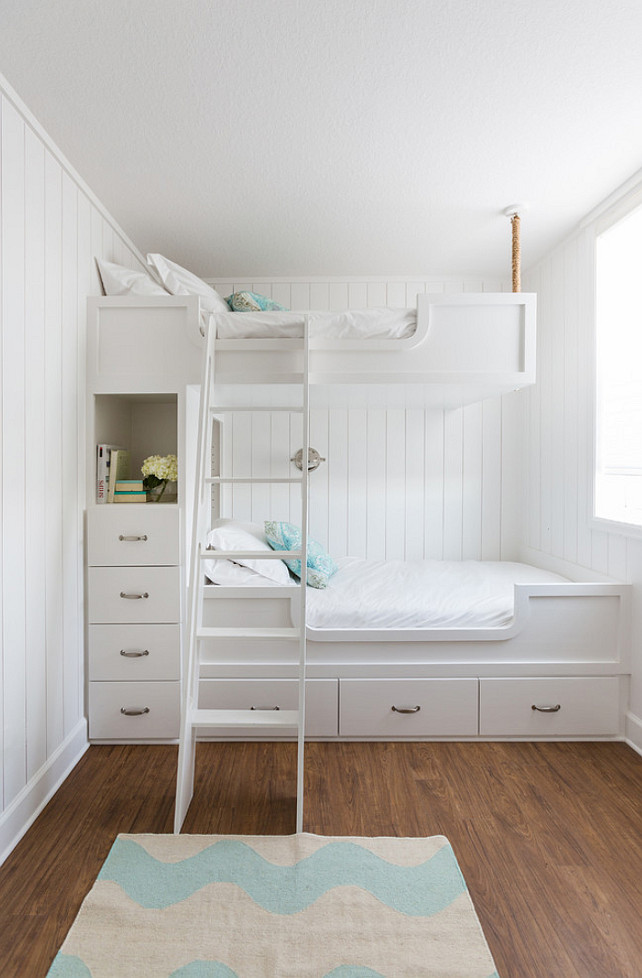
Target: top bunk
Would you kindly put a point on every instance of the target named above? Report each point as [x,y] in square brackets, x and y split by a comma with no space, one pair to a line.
[453,350]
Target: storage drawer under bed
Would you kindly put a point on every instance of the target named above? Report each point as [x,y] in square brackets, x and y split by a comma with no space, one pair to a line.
[407,708]
[268,694]
[550,707]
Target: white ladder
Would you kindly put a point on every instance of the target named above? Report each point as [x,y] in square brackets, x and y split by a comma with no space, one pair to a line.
[193,718]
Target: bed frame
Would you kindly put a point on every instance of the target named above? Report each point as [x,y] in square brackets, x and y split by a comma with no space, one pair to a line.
[559,669]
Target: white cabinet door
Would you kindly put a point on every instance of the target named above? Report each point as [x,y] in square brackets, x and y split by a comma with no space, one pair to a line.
[134,534]
[321,697]
[133,711]
[134,594]
[132,652]
[406,708]
[555,707]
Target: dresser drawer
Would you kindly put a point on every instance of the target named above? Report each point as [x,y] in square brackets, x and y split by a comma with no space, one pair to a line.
[243,694]
[134,652]
[153,711]
[580,706]
[437,708]
[144,533]
[154,594]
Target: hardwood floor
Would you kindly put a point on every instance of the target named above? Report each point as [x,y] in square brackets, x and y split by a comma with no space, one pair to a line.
[548,836]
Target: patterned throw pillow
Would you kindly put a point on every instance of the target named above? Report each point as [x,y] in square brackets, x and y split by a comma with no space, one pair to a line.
[285,536]
[252,302]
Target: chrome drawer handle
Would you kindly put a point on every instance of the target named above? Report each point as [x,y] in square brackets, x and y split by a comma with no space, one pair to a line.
[134,711]
[134,653]
[265,707]
[547,709]
[134,597]
[133,539]
[412,709]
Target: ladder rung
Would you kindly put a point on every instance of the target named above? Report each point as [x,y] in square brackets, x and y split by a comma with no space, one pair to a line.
[221,592]
[250,480]
[244,718]
[257,632]
[255,554]
[223,409]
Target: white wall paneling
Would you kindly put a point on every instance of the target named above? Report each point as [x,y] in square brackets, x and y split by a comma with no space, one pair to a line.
[397,483]
[558,448]
[52,227]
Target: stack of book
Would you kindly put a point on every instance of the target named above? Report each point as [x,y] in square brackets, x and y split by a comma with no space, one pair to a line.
[113,484]
[129,491]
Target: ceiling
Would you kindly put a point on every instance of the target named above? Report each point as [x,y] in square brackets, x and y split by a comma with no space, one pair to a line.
[250,138]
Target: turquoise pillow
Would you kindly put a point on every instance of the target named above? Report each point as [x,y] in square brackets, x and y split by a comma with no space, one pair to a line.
[285,536]
[252,302]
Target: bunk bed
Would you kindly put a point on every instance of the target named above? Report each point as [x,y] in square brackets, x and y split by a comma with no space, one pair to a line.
[553,664]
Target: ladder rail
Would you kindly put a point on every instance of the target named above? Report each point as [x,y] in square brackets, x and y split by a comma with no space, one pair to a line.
[187,741]
[305,474]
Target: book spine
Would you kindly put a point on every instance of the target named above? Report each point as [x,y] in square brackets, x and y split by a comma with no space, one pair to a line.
[102,472]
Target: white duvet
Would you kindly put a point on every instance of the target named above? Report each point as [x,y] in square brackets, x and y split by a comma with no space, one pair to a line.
[376,594]
[379,323]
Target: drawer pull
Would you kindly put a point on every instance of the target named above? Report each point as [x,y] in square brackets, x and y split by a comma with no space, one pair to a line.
[547,709]
[134,597]
[133,539]
[412,709]
[265,707]
[134,653]
[134,711]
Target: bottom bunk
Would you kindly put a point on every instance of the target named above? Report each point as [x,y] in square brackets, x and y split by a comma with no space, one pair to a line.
[428,649]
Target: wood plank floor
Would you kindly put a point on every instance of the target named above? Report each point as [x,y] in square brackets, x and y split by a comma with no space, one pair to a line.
[548,836]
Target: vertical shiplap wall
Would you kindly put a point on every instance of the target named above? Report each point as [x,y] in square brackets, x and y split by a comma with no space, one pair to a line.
[51,228]
[396,483]
[558,444]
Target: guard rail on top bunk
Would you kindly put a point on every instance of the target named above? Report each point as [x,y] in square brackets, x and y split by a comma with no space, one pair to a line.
[466,347]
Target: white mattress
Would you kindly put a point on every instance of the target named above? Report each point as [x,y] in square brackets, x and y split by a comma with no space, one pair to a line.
[377,594]
[379,323]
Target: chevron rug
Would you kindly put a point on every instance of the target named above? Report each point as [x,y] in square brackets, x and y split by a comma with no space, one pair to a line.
[301,906]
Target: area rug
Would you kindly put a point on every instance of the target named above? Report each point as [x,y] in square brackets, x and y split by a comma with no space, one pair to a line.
[300,906]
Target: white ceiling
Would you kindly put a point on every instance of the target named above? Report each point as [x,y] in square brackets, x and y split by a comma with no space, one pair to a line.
[336,137]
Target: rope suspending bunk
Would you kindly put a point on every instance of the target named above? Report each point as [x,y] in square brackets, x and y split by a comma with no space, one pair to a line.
[513,213]
[516,254]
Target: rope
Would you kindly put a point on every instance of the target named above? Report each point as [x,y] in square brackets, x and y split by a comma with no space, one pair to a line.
[516,255]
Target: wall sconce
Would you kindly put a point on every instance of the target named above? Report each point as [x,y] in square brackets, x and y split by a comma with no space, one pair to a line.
[314,459]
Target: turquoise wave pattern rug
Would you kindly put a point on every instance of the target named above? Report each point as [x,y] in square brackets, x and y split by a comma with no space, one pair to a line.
[300,906]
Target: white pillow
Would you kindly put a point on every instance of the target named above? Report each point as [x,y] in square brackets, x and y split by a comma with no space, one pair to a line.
[247,536]
[178,281]
[227,573]
[119,280]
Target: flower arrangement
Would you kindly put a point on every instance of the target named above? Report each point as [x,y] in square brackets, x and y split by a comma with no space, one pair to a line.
[157,471]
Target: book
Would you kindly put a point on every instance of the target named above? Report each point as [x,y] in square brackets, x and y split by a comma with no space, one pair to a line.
[103,460]
[118,469]
[130,497]
[130,485]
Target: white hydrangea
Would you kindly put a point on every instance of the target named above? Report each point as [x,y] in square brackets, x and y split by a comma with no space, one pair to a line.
[164,467]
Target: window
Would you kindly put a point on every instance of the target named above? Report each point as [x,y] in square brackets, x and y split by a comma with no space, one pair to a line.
[618,469]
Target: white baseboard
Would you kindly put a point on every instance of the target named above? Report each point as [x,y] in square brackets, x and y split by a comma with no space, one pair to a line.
[24,809]
[633,731]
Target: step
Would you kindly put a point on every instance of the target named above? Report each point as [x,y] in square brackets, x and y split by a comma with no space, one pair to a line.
[224,409]
[251,480]
[256,632]
[225,591]
[244,718]
[253,554]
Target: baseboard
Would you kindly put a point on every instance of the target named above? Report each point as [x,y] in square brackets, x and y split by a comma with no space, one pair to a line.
[24,809]
[633,731]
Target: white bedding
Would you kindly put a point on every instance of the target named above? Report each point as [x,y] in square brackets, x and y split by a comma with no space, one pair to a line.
[379,323]
[392,594]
